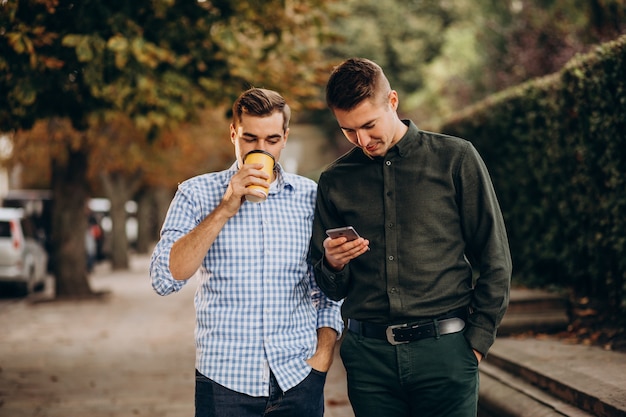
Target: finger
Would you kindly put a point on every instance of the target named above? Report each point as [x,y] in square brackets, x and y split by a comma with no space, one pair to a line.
[254,170]
[247,177]
[330,244]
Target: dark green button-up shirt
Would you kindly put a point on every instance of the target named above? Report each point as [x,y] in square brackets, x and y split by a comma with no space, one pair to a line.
[437,237]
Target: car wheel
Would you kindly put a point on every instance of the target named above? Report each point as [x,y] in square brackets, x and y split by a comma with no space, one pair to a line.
[22,288]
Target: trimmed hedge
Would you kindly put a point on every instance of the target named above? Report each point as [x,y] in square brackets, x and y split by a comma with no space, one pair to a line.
[556,150]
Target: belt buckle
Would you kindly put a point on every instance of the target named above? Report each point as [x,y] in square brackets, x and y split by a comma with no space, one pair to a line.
[390,336]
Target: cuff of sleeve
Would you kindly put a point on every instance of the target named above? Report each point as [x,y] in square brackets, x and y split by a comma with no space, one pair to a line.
[330,319]
[162,281]
[479,339]
[336,276]
[332,283]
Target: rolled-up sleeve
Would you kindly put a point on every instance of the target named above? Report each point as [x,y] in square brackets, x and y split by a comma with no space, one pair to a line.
[162,281]
[178,221]
[328,311]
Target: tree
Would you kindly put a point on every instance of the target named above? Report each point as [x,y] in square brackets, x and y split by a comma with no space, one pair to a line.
[148,171]
[123,165]
[191,149]
[492,45]
[117,153]
[402,36]
[523,39]
[156,61]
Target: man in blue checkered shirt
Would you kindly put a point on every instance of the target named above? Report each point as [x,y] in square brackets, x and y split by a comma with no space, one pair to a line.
[265,333]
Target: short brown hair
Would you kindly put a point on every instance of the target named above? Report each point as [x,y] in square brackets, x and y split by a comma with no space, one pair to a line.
[260,102]
[353,81]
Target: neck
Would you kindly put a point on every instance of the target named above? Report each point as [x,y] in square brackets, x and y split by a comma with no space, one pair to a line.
[400,131]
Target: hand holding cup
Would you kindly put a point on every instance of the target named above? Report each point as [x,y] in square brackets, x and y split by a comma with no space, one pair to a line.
[265,158]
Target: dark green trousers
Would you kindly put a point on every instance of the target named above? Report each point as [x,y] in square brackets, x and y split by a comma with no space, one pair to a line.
[434,377]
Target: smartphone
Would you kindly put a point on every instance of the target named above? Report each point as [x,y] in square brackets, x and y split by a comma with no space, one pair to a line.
[347,231]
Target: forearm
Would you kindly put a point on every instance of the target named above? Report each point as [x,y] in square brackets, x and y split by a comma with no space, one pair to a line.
[326,340]
[188,252]
[323,357]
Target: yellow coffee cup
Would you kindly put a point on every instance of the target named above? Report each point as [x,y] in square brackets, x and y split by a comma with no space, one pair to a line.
[267,159]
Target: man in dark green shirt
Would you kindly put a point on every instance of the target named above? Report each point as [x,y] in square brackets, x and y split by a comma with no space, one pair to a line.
[427,283]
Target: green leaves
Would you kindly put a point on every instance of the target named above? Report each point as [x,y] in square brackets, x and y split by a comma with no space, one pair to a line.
[25,94]
[20,43]
[556,151]
[81,43]
[149,54]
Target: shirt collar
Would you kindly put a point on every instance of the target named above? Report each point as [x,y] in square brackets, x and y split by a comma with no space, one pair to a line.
[406,142]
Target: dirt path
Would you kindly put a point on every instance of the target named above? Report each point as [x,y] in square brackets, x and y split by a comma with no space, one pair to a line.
[130,354]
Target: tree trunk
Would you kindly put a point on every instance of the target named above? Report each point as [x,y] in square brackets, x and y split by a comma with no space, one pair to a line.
[145,214]
[119,188]
[119,247]
[152,205]
[69,225]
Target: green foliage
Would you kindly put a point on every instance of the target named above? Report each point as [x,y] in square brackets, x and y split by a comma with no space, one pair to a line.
[80,59]
[402,36]
[157,61]
[522,39]
[492,45]
[556,150]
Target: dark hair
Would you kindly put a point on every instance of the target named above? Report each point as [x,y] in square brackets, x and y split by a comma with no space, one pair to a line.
[353,81]
[260,102]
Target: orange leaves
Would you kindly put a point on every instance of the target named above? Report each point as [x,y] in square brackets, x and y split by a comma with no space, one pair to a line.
[119,46]
[50,5]
[20,42]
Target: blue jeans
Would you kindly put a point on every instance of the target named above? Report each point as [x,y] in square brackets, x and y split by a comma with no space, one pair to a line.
[304,400]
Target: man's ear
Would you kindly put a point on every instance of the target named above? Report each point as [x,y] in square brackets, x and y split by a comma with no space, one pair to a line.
[393,100]
[233,133]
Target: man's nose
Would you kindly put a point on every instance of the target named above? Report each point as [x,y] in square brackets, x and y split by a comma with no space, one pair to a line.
[362,138]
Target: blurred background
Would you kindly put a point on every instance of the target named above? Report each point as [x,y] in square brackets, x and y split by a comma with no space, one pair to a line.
[105,106]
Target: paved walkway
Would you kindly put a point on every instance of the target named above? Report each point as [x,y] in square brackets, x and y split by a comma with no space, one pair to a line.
[130,354]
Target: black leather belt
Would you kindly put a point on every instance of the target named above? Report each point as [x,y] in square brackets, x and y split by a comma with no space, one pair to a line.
[404,333]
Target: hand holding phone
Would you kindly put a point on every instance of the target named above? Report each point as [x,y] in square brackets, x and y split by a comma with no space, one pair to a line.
[348,232]
[337,256]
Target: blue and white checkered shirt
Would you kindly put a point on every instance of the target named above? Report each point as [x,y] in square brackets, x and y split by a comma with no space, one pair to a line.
[258,307]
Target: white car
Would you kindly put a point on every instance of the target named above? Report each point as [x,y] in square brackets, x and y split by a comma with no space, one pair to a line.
[23,259]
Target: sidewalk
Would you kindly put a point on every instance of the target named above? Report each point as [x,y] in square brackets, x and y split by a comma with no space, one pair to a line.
[129,354]
[132,354]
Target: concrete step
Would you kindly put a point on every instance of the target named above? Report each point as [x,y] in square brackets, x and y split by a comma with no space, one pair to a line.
[547,377]
[505,395]
[537,322]
[524,300]
[534,310]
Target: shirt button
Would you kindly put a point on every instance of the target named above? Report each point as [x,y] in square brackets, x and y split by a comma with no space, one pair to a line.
[390,258]
[388,163]
[394,290]
[390,225]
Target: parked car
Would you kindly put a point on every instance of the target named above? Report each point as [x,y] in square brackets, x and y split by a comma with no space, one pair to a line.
[37,206]
[23,259]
